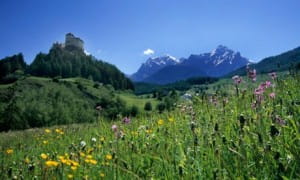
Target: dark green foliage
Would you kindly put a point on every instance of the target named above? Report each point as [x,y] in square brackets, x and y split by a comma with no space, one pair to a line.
[113,106]
[148,106]
[35,103]
[134,111]
[64,63]
[145,88]
[161,107]
[11,68]
[298,66]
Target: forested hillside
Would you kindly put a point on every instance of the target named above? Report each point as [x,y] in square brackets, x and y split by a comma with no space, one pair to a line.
[66,63]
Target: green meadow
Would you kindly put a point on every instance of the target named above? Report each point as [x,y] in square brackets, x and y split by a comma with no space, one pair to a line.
[243,134]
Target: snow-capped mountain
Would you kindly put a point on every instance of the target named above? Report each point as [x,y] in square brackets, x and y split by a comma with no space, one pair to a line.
[152,65]
[216,63]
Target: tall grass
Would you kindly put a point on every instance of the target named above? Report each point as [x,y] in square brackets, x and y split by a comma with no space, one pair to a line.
[213,137]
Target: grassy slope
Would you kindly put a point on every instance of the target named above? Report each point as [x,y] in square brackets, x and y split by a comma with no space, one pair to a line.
[71,100]
[281,62]
[227,85]
[138,101]
[205,140]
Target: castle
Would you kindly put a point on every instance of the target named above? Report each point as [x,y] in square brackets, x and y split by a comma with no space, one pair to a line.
[73,43]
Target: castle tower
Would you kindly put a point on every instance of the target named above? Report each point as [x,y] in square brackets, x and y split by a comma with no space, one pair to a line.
[73,43]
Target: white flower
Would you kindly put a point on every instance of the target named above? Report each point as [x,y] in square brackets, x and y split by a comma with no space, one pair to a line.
[94,139]
[83,143]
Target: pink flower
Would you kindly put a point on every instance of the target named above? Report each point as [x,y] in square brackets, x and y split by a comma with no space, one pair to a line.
[259,91]
[273,75]
[126,120]
[252,74]
[114,128]
[268,84]
[265,85]
[237,79]
[280,121]
[272,95]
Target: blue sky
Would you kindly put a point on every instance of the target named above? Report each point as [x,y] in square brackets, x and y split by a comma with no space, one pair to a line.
[119,31]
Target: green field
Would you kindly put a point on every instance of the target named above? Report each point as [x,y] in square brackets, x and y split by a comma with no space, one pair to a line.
[138,101]
[216,137]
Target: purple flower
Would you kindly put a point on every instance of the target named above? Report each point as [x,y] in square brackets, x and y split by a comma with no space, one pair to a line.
[264,85]
[114,128]
[280,121]
[273,75]
[126,120]
[268,84]
[252,74]
[272,95]
[259,91]
[237,79]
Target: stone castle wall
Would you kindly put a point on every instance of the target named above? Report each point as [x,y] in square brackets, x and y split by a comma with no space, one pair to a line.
[73,42]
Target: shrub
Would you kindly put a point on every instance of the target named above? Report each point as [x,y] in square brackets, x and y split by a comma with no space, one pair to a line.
[161,107]
[148,106]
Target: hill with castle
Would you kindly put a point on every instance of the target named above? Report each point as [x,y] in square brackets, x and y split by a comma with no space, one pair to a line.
[65,60]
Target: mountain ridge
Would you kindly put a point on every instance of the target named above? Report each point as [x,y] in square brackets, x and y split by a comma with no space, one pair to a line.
[153,65]
[281,62]
[216,63]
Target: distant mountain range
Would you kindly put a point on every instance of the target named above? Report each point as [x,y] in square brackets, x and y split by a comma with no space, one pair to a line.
[167,69]
[152,65]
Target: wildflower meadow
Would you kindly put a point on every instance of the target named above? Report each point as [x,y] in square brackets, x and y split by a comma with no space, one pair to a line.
[251,133]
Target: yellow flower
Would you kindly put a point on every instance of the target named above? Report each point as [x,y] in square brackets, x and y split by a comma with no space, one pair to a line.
[74,163]
[57,130]
[44,156]
[171,119]
[47,130]
[89,157]
[61,157]
[135,133]
[160,122]
[66,155]
[87,160]
[108,157]
[82,154]
[102,139]
[102,174]
[70,176]
[64,161]
[9,151]
[90,150]
[93,161]
[148,131]
[51,163]
[68,163]
[27,160]
[45,142]
[74,168]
